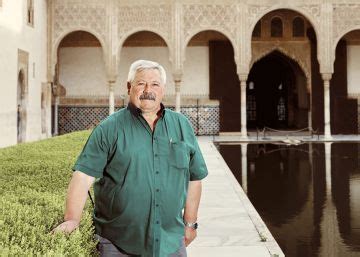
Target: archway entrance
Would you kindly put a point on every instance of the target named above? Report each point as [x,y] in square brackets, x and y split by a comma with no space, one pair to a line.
[21,107]
[81,82]
[344,85]
[210,71]
[282,85]
[277,94]
[145,45]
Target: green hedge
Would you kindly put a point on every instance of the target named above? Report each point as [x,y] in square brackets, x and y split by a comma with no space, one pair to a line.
[33,183]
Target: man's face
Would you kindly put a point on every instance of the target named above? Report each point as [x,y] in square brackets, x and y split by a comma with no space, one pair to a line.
[147,90]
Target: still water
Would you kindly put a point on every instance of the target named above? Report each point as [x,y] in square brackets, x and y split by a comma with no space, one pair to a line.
[308,195]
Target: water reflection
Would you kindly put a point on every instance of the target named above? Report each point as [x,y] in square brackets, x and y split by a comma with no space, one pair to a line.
[308,195]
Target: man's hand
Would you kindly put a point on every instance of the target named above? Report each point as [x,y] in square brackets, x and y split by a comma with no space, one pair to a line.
[190,235]
[67,226]
[76,197]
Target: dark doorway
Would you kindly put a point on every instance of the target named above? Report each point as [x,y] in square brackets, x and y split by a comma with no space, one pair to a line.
[225,84]
[276,94]
[21,108]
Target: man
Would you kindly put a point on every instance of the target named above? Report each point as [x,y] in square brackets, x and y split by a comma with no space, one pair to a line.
[149,167]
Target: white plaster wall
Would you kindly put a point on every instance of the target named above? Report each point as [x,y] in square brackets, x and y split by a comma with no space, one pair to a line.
[16,34]
[82,71]
[196,68]
[353,68]
[196,71]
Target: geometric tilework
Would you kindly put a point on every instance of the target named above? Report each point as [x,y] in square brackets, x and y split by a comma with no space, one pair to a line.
[74,118]
[204,119]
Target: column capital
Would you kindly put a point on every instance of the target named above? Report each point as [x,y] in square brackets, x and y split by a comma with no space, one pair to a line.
[243,76]
[326,76]
[111,84]
[177,76]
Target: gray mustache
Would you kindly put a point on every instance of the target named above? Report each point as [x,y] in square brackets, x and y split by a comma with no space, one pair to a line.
[147,96]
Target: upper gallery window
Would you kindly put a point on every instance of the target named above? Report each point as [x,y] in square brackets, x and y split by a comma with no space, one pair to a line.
[276,27]
[298,27]
[30,12]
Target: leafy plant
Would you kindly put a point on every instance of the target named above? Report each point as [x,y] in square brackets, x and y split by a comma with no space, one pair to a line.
[33,183]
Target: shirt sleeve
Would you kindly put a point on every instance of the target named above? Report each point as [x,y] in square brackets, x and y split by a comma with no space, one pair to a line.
[197,165]
[93,158]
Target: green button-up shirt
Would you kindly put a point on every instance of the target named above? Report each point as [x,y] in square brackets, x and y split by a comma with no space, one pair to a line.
[143,179]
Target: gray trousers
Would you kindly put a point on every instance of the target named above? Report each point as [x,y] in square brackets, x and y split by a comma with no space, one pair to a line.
[107,249]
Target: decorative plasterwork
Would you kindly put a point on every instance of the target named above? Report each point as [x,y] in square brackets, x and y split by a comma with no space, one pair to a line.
[345,18]
[254,14]
[300,53]
[76,16]
[135,18]
[219,17]
[313,10]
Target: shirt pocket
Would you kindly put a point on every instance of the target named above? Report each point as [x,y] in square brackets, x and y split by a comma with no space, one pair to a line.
[179,155]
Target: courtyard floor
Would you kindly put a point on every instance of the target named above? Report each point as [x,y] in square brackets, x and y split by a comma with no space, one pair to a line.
[229,225]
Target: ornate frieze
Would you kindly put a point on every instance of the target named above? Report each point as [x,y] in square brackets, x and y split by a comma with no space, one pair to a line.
[345,18]
[299,52]
[69,16]
[314,10]
[154,17]
[209,16]
[255,14]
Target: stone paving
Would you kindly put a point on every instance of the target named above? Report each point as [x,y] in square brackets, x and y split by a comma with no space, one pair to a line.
[229,225]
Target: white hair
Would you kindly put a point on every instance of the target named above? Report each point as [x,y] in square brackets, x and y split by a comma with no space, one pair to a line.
[140,65]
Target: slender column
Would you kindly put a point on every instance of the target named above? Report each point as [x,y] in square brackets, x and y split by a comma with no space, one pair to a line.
[243,79]
[56,115]
[327,131]
[177,96]
[111,98]
[177,79]
[244,166]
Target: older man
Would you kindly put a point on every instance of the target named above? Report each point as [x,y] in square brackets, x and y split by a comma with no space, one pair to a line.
[149,167]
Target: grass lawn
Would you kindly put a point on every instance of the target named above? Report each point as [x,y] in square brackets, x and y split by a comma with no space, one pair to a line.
[33,183]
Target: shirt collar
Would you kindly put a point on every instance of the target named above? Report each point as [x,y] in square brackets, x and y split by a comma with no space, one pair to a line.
[137,111]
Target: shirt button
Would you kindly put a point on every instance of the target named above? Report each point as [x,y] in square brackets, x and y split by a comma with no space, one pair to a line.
[157,240]
[157,222]
[157,172]
[158,190]
[156,155]
[157,205]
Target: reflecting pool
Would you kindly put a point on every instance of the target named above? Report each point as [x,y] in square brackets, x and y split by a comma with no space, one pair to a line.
[308,195]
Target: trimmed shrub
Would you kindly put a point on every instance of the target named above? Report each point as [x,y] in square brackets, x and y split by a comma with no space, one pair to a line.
[33,183]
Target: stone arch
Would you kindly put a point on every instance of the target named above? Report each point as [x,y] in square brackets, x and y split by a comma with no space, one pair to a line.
[66,33]
[283,51]
[342,34]
[152,45]
[124,37]
[21,105]
[76,39]
[199,30]
[315,24]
